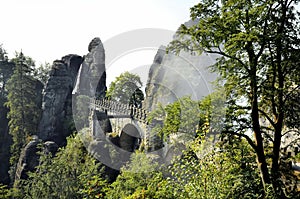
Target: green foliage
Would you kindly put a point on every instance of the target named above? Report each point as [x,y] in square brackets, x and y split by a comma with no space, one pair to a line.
[6,71]
[42,72]
[24,112]
[180,116]
[190,118]
[7,193]
[4,192]
[126,89]
[228,171]
[258,43]
[225,172]
[140,179]
[259,46]
[72,173]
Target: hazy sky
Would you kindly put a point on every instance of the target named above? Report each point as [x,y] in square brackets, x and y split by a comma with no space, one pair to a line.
[49,29]
[46,30]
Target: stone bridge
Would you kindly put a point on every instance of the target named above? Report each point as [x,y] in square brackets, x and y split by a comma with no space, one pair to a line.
[130,123]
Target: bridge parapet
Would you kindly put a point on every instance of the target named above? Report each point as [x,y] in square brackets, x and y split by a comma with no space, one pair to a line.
[122,110]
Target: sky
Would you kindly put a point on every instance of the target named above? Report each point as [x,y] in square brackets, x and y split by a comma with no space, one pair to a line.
[47,30]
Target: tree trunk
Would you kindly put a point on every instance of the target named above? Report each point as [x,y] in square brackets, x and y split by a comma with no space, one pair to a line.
[260,154]
[259,150]
[279,117]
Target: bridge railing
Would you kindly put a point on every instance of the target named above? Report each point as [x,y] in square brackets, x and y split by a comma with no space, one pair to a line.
[131,111]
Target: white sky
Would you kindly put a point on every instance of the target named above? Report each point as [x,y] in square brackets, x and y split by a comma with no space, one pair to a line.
[46,30]
[49,29]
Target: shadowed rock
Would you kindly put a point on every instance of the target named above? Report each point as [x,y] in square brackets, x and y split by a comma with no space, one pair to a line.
[28,160]
[57,100]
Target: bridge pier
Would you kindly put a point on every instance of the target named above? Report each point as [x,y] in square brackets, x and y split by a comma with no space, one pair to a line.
[99,124]
[137,133]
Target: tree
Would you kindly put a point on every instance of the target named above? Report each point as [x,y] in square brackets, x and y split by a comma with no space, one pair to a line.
[126,89]
[181,116]
[225,172]
[6,71]
[23,110]
[141,178]
[257,41]
[42,72]
[72,173]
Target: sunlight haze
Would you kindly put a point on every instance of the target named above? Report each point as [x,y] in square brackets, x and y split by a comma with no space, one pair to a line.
[48,30]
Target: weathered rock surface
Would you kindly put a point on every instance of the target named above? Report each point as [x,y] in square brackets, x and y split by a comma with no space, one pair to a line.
[5,143]
[56,122]
[28,160]
[174,76]
[156,74]
[57,100]
[91,80]
[50,147]
[100,150]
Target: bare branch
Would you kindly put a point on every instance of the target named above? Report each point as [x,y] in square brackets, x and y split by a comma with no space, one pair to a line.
[267,135]
[291,130]
[290,92]
[220,52]
[249,140]
[268,118]
[264,33]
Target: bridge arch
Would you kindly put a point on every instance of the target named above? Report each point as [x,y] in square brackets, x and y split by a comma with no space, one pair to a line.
[130,138]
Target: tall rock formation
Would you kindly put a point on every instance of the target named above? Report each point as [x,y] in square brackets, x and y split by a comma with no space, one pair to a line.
[72,74]
[57,122]
[171,77]
[57,100]
[91,80]
[174,76]
[5,143]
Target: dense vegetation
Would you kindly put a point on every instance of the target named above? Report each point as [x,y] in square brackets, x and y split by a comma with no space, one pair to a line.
[258,43]
[126,89]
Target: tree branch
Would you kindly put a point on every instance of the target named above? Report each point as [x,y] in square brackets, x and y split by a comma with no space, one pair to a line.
[292,130]
[267,135]
[290,92]
[268,118]
[264,33]
[220,52]
[249,140]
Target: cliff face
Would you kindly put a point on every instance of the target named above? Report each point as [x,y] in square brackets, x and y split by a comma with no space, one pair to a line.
[5,143]
[174,76]
[91,80]
[72,74]
[56,124]
[57,100]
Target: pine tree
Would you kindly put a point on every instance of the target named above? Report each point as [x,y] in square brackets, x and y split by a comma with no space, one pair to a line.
[6,71]
[23,110]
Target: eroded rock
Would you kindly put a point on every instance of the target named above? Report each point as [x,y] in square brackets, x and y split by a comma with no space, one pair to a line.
[91,80]
[57,100]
